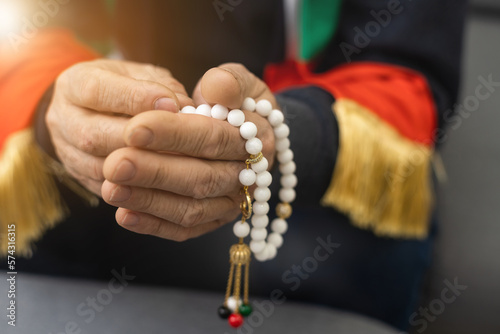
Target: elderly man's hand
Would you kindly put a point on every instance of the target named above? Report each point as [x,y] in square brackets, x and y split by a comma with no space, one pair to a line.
[178,177]
[92,104]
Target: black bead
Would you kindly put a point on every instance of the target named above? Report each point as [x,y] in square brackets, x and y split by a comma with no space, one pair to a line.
[224,312]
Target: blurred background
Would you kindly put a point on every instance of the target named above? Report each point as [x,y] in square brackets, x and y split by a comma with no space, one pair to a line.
[468,247]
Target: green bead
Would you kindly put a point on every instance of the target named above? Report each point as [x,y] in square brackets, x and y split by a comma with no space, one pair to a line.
[245,310]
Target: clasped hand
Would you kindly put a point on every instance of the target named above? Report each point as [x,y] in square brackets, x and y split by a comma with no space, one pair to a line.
[115,126]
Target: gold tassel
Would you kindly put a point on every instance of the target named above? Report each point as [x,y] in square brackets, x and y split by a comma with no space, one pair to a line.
[240,256]
[29,197]
[381,180]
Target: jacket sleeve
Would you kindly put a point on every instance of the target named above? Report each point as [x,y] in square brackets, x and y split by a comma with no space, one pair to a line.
[393,71]
[28,195]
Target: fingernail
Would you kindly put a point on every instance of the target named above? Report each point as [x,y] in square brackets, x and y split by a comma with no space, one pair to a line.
[141,136]
[130,219]
[166,104]
[125,171]
[120,194]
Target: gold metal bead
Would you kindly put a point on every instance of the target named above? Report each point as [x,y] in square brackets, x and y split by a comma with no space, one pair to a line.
[255,158]
[284,210]
[246,205]
[240,254]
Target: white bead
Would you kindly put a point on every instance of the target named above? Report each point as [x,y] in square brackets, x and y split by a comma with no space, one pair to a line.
[262,194]
[260,221]
[289,181]
[241,230]
[188,110]
[276,118]
[275,239]
[279,226]
[271,251]
[253,146]
[257,246]
[260,208]
[281,131]
[248,104]
[248,130]
[262,255]
[285,156]
[264,108]
[288,168]
[264,179]
[204,109]
[233,303]
[282,144]
[287,195]
[260,166]
[247,177]
[236,117]
[258,234]
[219,112]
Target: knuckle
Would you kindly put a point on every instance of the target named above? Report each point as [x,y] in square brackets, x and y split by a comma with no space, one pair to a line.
[194,214]
[268,140]
[106,137]
[155,228]
[206,184]
[92,91]
[176,86]
[224,141]
[135,97]
[61,82]
[239,67]
[97,169]
[78,73]
[157,71]
[66,158]
[158,178]
[145,202]
[199,148]
[88,140]
[85,144]
[196,146]
[151,69]
[219,145]
[73,71]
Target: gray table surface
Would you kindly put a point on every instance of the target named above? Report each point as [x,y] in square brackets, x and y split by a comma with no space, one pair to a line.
[48,305]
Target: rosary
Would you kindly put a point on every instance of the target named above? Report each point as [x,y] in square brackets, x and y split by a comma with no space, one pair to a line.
[263,246]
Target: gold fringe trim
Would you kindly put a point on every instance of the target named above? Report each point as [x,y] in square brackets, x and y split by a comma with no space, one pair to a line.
[29,197]
[382,180]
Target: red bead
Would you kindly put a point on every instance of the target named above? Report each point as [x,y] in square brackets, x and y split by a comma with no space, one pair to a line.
[235,320]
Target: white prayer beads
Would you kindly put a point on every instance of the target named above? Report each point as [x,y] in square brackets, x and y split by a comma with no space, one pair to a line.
[263,245]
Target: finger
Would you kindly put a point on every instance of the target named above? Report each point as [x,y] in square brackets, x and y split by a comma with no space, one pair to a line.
[182,175]
[146,224]
[89,184]
[191,135]
[196,136]
[185,211]
[148,72]
[80,164]
[154,73]
[94,133]
[105,91]
[229,84]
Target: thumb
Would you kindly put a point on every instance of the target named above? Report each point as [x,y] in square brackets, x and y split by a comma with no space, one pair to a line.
[229,84]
